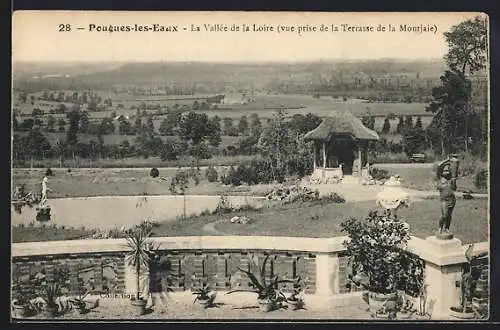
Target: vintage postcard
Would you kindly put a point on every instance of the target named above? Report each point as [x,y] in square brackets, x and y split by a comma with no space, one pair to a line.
[243,166]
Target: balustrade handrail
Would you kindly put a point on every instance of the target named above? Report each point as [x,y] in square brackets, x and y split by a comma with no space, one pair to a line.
[418,246]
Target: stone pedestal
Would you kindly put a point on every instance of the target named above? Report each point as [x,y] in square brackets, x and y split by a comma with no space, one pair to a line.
[444,245]
[442,280]
[327,282]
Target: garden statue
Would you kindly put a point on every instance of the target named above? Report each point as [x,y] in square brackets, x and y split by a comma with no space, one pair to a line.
[43,208]
[447,172]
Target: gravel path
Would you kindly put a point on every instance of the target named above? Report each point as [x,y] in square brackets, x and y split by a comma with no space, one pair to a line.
[226,309]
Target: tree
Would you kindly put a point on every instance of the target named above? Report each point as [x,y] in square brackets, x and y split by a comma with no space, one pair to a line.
[72,133]
[15,123]
[150,125]
[400,125]
[124,127]
[369,122]
[193,127]
[180,183]
[467,44]
[214,131]
[51,121]
[467,54]
[138,124]
[255,125]
[243,126]
[84,122]
[276,143]
[304,124]
[418,123]
[36,144]
[387,126]
[62,125]
[449,106]
[408,123]
[228,126]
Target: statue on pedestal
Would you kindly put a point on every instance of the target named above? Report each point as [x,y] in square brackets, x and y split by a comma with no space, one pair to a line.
[447,173]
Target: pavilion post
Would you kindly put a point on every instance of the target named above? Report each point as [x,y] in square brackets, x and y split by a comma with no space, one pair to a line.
[315,146]
[324,154]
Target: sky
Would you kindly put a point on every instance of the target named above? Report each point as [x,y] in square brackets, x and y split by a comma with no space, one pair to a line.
[36,36]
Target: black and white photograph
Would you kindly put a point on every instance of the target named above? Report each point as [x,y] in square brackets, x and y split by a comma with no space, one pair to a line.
[210,166]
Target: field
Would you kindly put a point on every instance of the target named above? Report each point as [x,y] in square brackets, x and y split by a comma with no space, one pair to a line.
[263,105]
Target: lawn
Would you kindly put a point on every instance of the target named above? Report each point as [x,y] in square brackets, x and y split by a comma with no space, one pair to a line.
[323,220]
[310,219]
[87,182]
[422,177]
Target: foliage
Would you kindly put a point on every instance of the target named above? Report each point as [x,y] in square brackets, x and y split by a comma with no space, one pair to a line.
[49,292]
[204,293]
[154,173]
[467,44]
[481,179]
[264,287]
[375,247]
[468,280]
[379,174]
[49,172]
[141,250]
[211,174]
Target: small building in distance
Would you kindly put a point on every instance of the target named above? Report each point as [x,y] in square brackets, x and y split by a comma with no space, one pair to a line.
[340,145]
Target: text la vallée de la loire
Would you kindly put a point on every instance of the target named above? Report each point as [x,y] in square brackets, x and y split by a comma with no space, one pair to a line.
[282,28]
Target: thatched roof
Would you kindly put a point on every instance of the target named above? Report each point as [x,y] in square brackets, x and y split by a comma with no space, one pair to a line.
[341,123]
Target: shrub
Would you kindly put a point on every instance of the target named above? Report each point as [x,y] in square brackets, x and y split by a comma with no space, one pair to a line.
[469,165]
[211,174]
[374,247]
[49,172]
[333,198]
[481,179]
[379,174]
[69,170]
[154,173]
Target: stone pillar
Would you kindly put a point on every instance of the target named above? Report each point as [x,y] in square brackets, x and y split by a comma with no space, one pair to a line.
[442,280]
[327,270]
[131,279]
[324,154]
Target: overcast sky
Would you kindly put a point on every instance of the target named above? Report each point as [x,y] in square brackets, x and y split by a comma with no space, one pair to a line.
[35,37]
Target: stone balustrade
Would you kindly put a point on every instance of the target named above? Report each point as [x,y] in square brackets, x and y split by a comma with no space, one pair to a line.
[320,262]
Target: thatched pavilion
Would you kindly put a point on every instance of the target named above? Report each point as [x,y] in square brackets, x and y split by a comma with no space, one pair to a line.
[340,147]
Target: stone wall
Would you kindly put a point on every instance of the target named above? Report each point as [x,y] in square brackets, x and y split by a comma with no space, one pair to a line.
[320,262]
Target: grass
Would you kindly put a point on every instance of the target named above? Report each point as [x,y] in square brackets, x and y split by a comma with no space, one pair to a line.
[39,234]
[323,220]
[309,219]
[87,182]
[422,178]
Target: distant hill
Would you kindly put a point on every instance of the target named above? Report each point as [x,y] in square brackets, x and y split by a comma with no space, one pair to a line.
[238,75]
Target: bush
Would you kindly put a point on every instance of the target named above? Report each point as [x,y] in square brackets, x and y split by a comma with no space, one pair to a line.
[379,174]
[481,179]
[49,172]
[211,174]
[154,173]
[469,165]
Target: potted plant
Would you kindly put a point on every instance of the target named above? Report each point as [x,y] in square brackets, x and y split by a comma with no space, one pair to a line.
[49,294]
[79,301]
[141,252]
[467,286]
[270,296]
[375,247]
[205,295]
[294,300]
[21,305]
